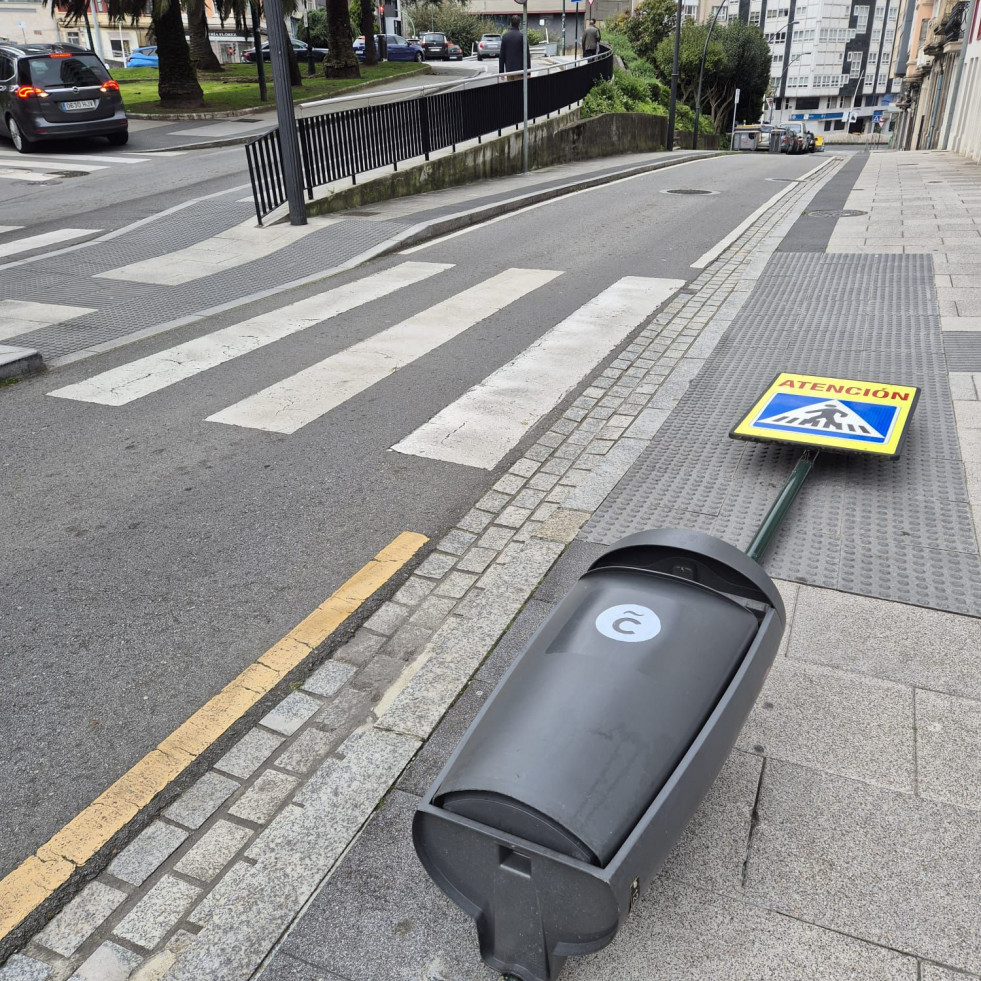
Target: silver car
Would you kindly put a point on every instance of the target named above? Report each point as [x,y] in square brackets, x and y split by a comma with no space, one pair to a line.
[489,46]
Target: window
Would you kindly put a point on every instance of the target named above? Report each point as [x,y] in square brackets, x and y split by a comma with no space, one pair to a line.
[6,69]
[861,19]
[854,64]
[754,17]
[777,57]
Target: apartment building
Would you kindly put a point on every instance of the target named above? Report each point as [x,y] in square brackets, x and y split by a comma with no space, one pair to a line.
[937,87]
[831,61]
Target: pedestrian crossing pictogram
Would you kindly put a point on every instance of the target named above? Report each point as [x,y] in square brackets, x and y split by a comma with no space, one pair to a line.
[864,417]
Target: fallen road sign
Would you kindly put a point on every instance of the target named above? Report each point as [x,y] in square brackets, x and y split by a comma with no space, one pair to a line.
[831,414]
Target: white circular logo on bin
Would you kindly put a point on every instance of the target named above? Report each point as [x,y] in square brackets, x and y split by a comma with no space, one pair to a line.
[629,623]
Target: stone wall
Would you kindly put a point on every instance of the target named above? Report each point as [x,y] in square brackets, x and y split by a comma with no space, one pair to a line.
[562,139]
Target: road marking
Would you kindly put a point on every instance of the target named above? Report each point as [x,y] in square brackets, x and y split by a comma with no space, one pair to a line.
[50,867]
[27,175]
[121,385]
[45,238]
[59,162]
[713,253]
[236,245]
[21,316]
[483,425]
[51,164]
[9,228]
[300,399]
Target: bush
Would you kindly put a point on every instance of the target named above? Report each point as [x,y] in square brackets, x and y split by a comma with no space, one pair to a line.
[603,97]
[453,20]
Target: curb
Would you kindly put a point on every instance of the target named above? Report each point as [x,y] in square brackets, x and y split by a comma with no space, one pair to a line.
[19,362]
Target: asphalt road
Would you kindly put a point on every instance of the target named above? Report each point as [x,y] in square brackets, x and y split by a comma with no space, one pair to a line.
[149,555]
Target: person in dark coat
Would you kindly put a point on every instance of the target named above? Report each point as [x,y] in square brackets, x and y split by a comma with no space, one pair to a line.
[512,43]
[590,40]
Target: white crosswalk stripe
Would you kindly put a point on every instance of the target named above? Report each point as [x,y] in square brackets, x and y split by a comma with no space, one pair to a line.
[121,385]
[47,167]
[309,394]
[478,429]
[21,245]
[484,424]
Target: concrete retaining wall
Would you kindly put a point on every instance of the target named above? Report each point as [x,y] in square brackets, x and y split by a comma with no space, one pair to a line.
[562,139]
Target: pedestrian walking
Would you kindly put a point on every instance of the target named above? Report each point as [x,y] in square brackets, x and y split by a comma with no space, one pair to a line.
[514,47]
[590,40]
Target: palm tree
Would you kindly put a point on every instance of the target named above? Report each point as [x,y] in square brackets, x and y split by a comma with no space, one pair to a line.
[203,56]
[341,61]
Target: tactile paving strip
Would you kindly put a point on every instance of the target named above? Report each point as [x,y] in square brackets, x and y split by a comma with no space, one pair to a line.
[894,529]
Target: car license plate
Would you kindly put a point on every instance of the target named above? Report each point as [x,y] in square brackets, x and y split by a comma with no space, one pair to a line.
[83,104]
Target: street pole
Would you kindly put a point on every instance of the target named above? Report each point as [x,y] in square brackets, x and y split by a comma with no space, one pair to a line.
[257,41]
[575,48]
[563,28]
[306,24]
[701,72]
[524,83]
[674,78]
[288,138]
[732,135]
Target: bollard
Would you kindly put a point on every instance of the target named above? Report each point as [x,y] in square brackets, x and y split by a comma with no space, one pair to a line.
[568,791]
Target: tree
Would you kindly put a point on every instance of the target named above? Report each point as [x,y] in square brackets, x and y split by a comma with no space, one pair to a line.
[748,58]
[203,56]
[689,59]
[368,30]
[341,61]
[652,22]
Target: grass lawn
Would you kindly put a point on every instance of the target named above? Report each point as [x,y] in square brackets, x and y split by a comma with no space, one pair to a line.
[238,87]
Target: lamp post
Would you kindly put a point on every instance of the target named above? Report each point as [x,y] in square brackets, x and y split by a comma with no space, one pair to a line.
[701,71]
[674,78]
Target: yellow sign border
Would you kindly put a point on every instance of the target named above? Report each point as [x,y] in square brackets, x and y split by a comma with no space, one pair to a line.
[891,449]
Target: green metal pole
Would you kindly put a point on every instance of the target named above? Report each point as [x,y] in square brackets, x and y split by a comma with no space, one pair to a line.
[778,510]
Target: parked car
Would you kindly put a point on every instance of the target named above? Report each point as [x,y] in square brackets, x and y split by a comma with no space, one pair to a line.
[763,143]
[456,52]
[300,47]
[796,142]
[489,46]
[435,45]
[143,58]
[397,48]
[54,91]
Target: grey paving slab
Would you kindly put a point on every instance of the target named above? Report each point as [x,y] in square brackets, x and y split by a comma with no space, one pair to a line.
[249,753]
[712,848]
[510,645]
[21,968]
[924,648]
[886,867]
[110,962]
[678,932]
[380,917]
[284,968]
[88,910]
[329,678]
[157,912]
[948,748]
[219,845]
[291,713]
[201,800]
[143,855]
[261,801]
[837,721]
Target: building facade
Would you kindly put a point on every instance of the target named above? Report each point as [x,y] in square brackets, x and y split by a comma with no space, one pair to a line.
[831,61]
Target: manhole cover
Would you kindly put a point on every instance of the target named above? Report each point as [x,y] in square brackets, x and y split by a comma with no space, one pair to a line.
[835,213]
[688,190]
[360,214]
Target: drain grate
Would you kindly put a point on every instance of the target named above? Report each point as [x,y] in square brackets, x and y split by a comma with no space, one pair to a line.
[688,190]
[835,213]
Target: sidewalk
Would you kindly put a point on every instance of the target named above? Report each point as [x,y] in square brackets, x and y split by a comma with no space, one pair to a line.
[841,839]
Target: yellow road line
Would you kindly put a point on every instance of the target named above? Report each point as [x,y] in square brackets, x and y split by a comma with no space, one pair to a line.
[50,867]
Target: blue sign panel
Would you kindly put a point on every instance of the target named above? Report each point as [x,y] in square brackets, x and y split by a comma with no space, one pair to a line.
[847,421]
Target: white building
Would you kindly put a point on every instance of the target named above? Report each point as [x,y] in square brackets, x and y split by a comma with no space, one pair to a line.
[831,59]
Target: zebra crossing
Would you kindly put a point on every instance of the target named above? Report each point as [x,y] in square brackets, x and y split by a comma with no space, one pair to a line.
[477,429]
[40,168]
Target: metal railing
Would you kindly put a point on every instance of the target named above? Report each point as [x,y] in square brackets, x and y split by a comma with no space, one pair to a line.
[339,140]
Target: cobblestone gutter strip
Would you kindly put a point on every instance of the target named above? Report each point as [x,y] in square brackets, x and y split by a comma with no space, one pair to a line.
[210,887]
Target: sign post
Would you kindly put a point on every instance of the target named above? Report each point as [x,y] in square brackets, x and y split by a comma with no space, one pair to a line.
[732,135]
[524,82]
[836,414]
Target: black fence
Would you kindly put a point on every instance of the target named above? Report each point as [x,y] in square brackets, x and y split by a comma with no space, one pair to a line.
[349,142]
